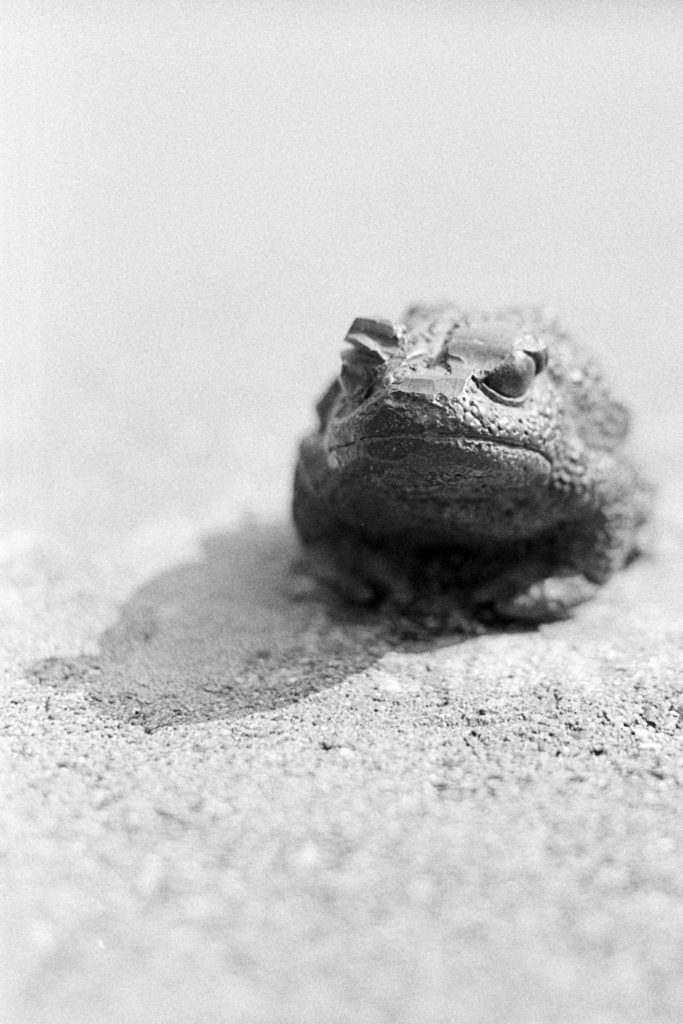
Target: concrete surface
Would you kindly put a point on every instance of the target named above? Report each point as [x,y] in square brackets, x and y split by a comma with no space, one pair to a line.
[226,800]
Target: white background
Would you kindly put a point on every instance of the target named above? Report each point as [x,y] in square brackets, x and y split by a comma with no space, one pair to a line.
[199,197]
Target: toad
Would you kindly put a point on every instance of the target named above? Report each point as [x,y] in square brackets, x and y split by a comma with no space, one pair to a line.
[468,466]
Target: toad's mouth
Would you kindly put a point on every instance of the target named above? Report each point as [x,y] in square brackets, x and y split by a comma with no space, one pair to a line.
[394,447]
[443,462]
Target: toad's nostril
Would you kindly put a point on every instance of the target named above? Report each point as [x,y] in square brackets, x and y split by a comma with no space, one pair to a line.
[511,379]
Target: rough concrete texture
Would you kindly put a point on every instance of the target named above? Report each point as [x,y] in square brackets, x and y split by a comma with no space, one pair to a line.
[225,799]
[244,807]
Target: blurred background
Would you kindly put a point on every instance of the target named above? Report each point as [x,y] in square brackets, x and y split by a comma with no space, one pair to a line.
[198,197]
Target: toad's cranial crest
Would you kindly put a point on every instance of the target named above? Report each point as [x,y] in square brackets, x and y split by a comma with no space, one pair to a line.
[471,464]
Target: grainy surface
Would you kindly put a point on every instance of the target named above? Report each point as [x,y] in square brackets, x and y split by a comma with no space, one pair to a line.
[222,804]
[238,808]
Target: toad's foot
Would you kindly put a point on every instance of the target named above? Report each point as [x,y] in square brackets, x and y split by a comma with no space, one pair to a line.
[357,572]
[536,601]
[434,616]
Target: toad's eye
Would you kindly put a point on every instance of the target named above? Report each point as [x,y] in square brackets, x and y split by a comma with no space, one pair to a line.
[510,380]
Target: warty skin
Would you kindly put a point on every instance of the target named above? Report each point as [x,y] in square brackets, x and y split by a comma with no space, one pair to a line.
[468,465]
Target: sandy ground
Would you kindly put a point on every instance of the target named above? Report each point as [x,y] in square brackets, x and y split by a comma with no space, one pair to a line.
[224,804]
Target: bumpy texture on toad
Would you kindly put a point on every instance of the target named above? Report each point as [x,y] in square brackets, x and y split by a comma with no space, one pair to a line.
[468,464]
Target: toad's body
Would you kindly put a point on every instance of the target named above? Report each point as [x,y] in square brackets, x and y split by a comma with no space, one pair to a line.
[472,461]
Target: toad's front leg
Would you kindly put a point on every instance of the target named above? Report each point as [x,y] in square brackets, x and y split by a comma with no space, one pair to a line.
[341,559]
[568,568]
[519,597]
[358,571]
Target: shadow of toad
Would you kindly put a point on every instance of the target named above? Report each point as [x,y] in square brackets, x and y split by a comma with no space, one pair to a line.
[220,638]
